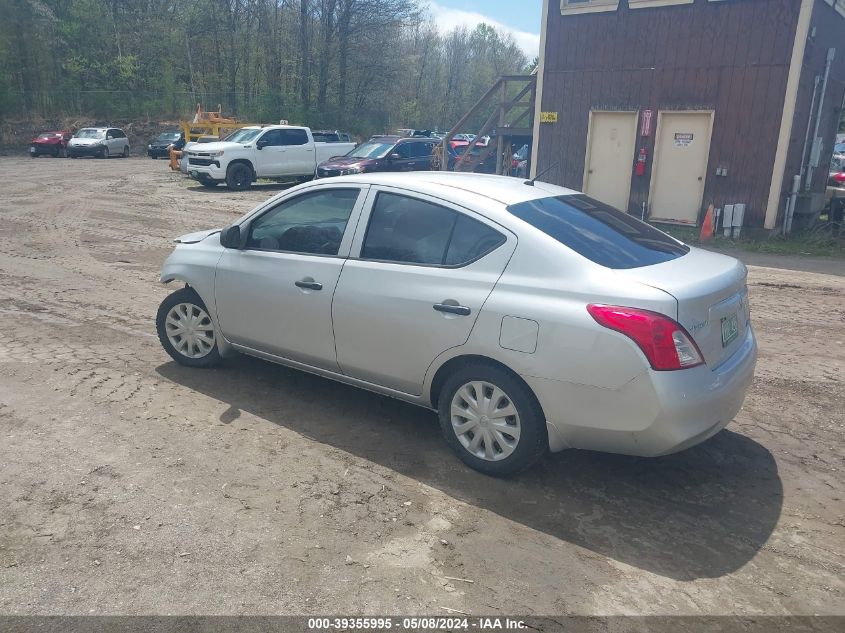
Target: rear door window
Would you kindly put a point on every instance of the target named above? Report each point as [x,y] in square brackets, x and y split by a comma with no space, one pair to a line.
[471,240]
[599,232]
[408,230]
[419,150]
[293,137]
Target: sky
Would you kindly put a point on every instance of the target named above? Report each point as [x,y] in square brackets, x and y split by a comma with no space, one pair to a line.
[520,18]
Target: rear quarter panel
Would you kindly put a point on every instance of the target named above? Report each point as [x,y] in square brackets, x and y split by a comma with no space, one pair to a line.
[549,284]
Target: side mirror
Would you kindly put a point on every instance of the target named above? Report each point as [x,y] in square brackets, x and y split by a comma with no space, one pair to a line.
[230,237]
[260,144]
[395,156]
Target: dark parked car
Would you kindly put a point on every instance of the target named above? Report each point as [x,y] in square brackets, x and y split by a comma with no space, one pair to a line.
[50,144]
[382,153]
[159,146]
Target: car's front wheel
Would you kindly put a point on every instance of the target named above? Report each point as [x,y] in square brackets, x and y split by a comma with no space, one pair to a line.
[125,153]
[492,420]
[238,177]
[186,331]
[104,153]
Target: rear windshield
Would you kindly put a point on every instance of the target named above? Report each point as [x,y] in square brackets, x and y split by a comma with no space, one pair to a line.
[599,232]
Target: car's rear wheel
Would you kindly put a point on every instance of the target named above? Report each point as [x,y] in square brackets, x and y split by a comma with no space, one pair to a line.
[492,420]
[186,331]
[238,177]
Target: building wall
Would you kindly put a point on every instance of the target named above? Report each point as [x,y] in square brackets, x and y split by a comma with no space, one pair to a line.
[731,56]
[827,30]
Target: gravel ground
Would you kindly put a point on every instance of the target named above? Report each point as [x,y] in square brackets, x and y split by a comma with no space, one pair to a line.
[130,485]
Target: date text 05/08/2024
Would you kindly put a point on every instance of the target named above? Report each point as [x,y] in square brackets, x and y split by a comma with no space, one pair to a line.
[415,624]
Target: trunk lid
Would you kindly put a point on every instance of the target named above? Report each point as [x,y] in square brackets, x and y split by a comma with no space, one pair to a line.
[712,298]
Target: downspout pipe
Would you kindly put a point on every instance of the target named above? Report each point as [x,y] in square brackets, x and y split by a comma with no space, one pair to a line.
[831,53]
[809,127]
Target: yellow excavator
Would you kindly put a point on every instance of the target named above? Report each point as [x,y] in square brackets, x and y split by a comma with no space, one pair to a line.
[205,126]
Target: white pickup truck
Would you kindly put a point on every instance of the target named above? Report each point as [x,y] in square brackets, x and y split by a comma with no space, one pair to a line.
[277,152]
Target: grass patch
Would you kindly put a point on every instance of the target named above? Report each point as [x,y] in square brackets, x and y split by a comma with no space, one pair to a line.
[818,243]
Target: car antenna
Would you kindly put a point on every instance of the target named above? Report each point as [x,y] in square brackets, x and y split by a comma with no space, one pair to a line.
[531,182]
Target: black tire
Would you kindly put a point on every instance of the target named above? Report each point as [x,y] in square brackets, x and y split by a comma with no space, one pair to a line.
[104,153]
[125,152]
[533,441]
[184,296]
[238,177]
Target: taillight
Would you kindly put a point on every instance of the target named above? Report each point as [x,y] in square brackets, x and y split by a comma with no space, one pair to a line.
[665,343]
[840,177]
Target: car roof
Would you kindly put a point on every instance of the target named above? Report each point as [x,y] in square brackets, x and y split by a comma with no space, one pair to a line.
[461,187]
[272,127]
[393,138]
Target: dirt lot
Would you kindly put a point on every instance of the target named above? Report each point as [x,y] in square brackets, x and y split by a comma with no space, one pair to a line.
[130,485]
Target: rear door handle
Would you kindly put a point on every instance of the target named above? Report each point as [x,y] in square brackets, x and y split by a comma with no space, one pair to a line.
[310,285]
[451,309]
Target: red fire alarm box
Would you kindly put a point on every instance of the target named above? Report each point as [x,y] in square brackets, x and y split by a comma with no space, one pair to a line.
[642,157]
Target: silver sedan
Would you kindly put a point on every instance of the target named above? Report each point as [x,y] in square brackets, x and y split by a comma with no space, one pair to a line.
[529,316]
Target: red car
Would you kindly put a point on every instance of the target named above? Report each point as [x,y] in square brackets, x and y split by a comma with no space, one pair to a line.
[50,144]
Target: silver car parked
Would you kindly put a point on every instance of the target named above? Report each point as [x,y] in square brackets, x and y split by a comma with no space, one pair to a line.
[101,142]
[531,317]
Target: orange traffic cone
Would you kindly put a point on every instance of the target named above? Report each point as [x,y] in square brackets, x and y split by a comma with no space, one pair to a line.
[707,225]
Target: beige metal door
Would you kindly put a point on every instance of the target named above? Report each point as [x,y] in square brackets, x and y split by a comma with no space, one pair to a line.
[610,157]
[682,149]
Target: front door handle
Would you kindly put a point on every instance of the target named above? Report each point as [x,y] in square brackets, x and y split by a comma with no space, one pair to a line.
[309,285]
[452,309]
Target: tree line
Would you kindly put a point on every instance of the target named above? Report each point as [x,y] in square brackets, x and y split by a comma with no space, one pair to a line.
[363,65]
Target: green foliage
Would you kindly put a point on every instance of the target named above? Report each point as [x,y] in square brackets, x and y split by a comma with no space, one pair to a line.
[367,66]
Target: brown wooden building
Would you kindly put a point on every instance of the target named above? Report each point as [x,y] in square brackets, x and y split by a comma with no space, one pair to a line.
[668,106]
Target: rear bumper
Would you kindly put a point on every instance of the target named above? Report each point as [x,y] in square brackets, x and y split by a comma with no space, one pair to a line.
[657,413]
